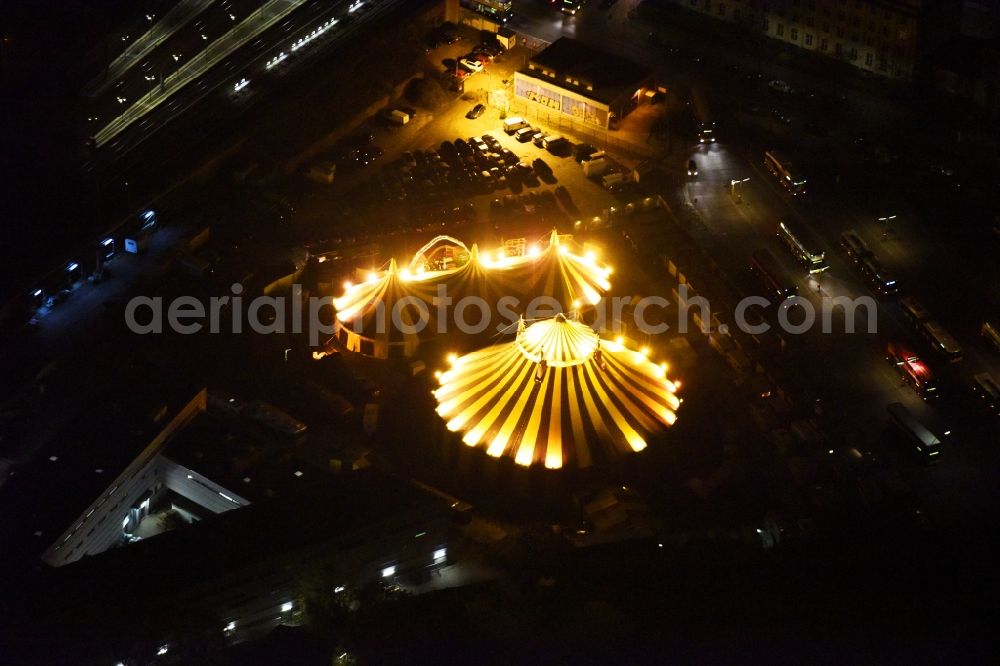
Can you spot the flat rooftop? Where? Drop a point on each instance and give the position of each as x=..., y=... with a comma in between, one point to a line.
x=610, y=75
x=45, y=496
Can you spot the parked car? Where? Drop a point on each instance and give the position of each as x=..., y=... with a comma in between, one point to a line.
x=527, y=174
x=493, y=48
x=471, y=65
x=564, y=197
x=779, y=86
x=583, y=151
x=476, y=111
x=498, y=177
x=541, y=168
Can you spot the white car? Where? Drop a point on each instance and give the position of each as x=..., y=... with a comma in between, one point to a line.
x=780, y=86
x=471, y=65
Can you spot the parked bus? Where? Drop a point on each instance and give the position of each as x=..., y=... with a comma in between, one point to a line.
x=880, y=280
x=775, y=278
x=912, y=370
x=785, y=172
x=855, y=248
x=926, y=445
x=804, y=246
x=941, y=340
x=914, y=311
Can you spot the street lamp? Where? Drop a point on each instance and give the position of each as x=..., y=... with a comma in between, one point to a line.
x=175, y=56
x=885, y=221
x=733, y=191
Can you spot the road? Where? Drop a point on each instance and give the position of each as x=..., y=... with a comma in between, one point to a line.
x=948, y=267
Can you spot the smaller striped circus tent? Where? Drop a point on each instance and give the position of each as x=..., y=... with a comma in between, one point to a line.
x=392, y=311
x=558, y=395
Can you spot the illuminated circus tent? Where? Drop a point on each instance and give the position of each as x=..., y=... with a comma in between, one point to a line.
x=557, y=271
x=364, y=320
x=364, y=313
x=557, y=395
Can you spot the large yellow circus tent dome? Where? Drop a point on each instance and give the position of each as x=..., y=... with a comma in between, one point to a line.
x=557, y=395
x=364, y=319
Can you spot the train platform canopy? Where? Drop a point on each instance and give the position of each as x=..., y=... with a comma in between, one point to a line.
x=557, y=395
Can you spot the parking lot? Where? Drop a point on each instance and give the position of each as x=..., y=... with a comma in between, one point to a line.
x=436, y=163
